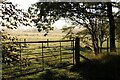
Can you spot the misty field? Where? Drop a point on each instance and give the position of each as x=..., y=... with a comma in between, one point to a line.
x=37, y=36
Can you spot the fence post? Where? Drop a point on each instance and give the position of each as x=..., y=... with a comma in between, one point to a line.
x=60, y=53
x=25, y=42
x=107, y=45
x=42, y=57
x=118, y=47
x=47, y=43
x=77, y=51
x=72, y=45
x=20, y=59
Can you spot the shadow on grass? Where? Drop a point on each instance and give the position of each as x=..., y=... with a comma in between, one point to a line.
x=106, y=68
x=59, y=72
x=59, y=75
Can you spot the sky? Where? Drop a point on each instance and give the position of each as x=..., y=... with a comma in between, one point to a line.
x=25, y=4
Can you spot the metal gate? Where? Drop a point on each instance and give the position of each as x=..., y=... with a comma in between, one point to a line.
x=37, y=56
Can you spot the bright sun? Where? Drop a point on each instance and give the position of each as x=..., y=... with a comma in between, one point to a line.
x=60, y=23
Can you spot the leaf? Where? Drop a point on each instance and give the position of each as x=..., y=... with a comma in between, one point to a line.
x=39, y=29
x=45, y=34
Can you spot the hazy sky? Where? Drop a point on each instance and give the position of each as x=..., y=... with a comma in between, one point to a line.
x=25, y=4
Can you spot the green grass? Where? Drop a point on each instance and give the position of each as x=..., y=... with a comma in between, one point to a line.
x=53, y=74
x=34, y=51
x=103, y=67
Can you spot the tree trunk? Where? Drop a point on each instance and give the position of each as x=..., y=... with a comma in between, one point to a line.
x=101, y=46
x=95, y=44
x=112, y=27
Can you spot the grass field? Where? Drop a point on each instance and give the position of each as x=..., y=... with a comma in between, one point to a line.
x=103, y=66
x=36, y=57
x=37, y=36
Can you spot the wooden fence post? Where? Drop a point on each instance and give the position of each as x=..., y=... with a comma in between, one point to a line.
x=77, y=51
x=47, y=43
x=20, y=59
x=42, y=57
x=107, y=45
x=72, y=45
x=60, y=53
x=118, y=47
x=25, y=43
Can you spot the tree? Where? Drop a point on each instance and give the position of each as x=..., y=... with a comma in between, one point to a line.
x=85, y=14
x=112, y=27
x=9, y=51
x=11, y=18
x=117, y=27
x=117, y=21
x=103, y=32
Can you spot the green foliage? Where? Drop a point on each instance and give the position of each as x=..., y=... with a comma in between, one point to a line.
x=12, y=17
x=78, y=14
x=10, y=50
x=117, y=27
x=117, y=20
x=70, y=34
